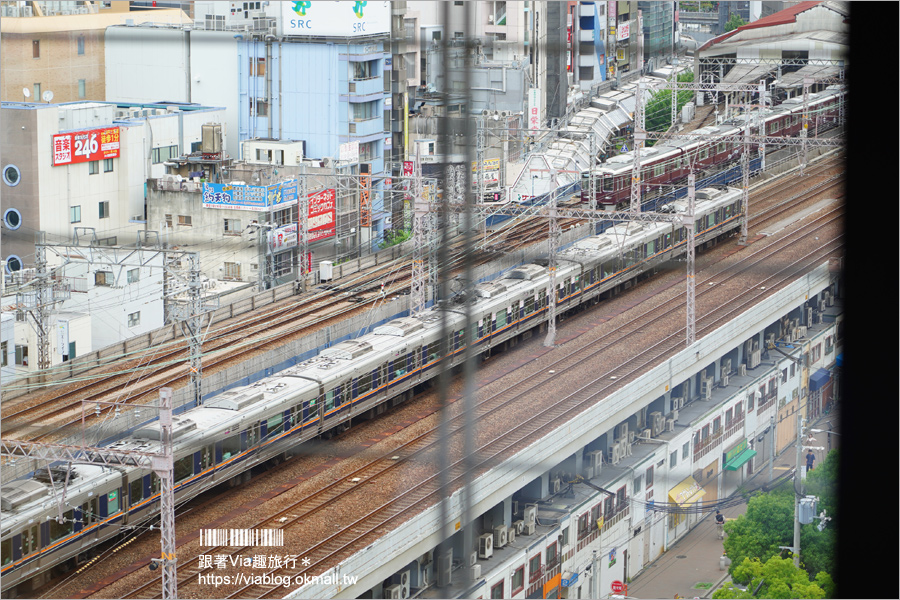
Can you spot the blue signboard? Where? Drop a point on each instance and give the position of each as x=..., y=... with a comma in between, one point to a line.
x=572, y=580
x=249, y=197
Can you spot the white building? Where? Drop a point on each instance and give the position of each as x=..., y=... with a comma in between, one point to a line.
x=83, y=166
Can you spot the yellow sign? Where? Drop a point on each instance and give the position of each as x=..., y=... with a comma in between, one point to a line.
x=600, y=522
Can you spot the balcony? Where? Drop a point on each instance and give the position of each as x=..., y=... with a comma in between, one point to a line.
x=365, y=87
x=366, y=127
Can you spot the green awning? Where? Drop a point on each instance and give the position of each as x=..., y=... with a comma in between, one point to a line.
x=738, y=461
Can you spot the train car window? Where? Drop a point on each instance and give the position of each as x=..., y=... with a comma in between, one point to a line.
x=231, y=446
x=720, y=148
x=60, y=530
x=184, y=468
x=704, y=153
x=433, y=351
x=607, y=184
x=329, y=398
x=529, y=305
x=576, y=283
x=6, y=551
x=363, y=384
x=136, y=491
x=501, y=319
x=273, y=424
x=206, y=457
x=659, y=169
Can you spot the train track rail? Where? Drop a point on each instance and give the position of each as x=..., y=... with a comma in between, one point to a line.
x=423, y=448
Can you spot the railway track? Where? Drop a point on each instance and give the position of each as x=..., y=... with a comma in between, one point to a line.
x=422, y=450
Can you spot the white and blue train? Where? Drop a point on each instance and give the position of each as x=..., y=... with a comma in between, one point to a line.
x=221, y=440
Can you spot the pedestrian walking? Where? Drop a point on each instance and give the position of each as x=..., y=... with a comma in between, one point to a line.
x=810, y=459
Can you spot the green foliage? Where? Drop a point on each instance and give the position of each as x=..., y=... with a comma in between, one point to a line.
x=392, y=237
x=775, y=578
x=658, y=112
x=734, y=21
x=767, y=524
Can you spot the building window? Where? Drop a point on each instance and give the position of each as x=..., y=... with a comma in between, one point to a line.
x=517, y=581
x=22, y=356
x=75, y=214
x=232, y=227
x=257, y=67
x=649, y=477
x=684, y=450
x=80, y=45
x=551, y=555
x=134, y=275
x=107, y=165
x=636, y=486
x=82, y=91
x=103, y=278
x=673, y=459
x=3, y=359
x=232, y=271
x=184, y=220
x=497, y=590
x=134, y=319
x=534, y=567
x=35, y=48
x=37, y=92
x=94, y=167
x=104, y=210
x=161, y=155
x=12, y=175
x=717, y=424
x=168, y=221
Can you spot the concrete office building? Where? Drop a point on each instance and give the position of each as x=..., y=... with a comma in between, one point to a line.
x=84, y=166
x=318, y=78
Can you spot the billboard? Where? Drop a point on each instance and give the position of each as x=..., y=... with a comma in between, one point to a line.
x=321, y=224
x=321, y=215
x=338, y=19
x=85, y=146
x=249, y=197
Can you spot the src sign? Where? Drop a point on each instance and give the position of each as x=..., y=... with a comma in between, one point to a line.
x=85, y=146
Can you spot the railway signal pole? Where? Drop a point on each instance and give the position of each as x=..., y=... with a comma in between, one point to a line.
x=162, y=463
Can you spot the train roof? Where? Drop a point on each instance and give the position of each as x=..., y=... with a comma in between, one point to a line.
x=22, y=497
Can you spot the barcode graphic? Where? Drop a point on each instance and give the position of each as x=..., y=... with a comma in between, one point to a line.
x=242, y=537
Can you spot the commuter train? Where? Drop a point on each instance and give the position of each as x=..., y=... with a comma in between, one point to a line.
x=219, y=441
x=669, y=162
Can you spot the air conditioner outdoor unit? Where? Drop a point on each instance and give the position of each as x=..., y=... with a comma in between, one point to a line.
x=500, y=532
x=726, y=365
x=404, y=584
x=724, y=381
x=631, y=437
x=529, y=529
x=646, y=434
x=742, y=370
x=595, y=460
x=530, y=514
x=486, y=545
x=515, y=507
x=622, y=430
x=674, y=415
x=614, y=455
x=770, y=340
x=754, y=359
x=656, y=423
x=476, y=572
x=473, y=558
x=555, y=485
x=392, y=591
x=519, y=527
x=445, y=569
x=510, y=535
x=670, y=424
x=801, y=331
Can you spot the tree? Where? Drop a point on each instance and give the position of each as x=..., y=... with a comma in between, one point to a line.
x=767, y=524
x=734, y=21
x=775, y=578
x=658, y=111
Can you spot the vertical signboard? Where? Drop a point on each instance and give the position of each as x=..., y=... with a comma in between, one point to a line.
x=365, y=201
x=534, y=108
x=62, y=337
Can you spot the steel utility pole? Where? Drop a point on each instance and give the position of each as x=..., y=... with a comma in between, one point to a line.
x=162, y=463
